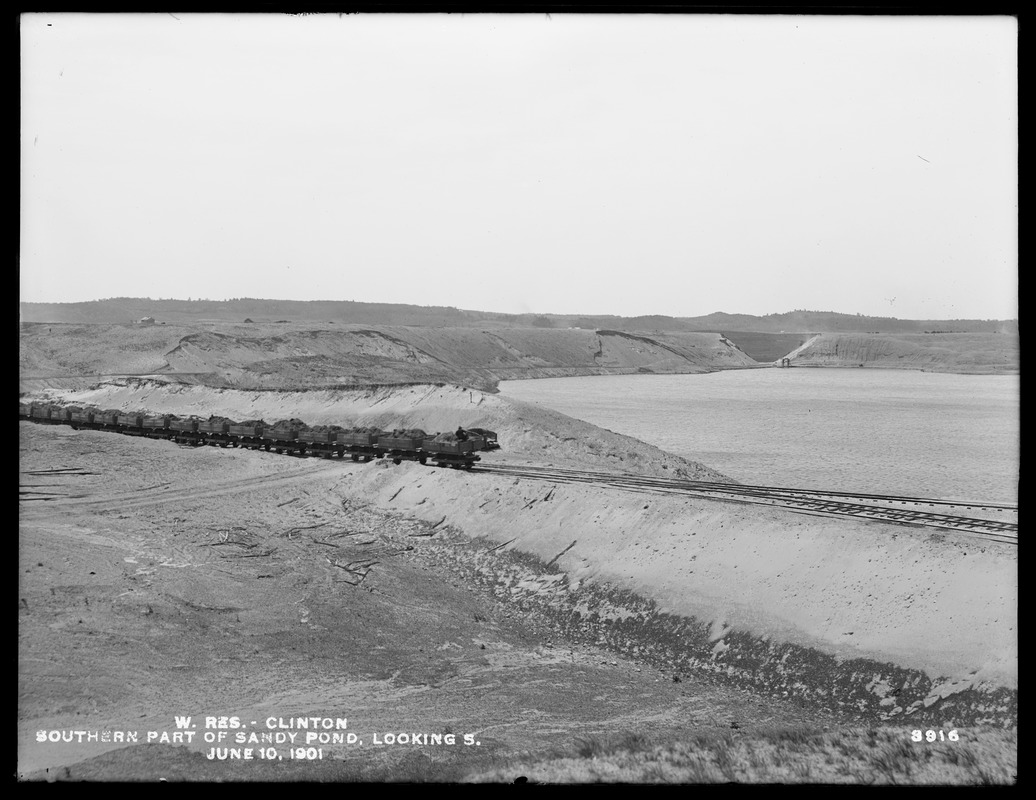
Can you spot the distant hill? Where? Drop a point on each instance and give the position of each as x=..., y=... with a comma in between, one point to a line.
x=833, y=322
x=117, y=310
x=130, y=309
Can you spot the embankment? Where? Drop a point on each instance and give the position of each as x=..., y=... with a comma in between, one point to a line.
x=885, y=621
x=293, y=356
x=977, y=353
x=881, y=620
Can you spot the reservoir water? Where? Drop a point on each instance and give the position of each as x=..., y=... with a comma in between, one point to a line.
x=898, y=432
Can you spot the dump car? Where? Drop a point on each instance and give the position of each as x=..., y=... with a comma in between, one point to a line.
x=360, y=445
x=458, y=455
x=284, y=440
x=322, y=443
x=402, y=448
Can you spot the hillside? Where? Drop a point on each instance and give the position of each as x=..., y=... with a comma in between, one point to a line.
x=293, y=356
x=948, y=352
x=171, y=311
x=833, y=322
x=320, y=355
x=259, y=343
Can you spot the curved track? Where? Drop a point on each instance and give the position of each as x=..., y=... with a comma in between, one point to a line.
x=914, y=511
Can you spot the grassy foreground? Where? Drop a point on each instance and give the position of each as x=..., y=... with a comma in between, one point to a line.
x=792, y=755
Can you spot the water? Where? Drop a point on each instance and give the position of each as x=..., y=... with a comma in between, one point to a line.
x=884, y=431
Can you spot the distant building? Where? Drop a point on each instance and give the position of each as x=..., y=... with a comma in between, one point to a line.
x=146, y=321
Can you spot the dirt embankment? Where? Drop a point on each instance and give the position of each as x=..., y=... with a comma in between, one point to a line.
x=887, y=619
x=978, y=353
x=870, y=616
x=314, y=355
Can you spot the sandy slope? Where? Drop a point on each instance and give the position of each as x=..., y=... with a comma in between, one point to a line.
x=949, y=352
x=945, y=605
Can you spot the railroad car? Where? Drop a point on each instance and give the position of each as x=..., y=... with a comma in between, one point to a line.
x=82, y=419
x=249, y=436
x=185, y=431
x=39, y=412
x=458, y=455
x=402, y=448
x=158, y=427
x=360, y=445
x=322, y=443
x=105, y=419
x=285, y=441
x=215, y=432
x=130, y=423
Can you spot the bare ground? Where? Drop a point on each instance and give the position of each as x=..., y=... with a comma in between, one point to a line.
x=853, y=588
x=163, y=580
x=159, y=580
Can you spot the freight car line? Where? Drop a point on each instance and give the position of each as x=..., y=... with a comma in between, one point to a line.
x=361, y=445
x=797, y=500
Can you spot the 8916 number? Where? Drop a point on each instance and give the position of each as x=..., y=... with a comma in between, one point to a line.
x=931, y=736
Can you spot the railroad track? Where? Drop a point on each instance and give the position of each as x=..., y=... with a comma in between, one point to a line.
x=899, y=510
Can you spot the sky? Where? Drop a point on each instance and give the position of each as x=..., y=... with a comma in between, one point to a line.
x=590, y=164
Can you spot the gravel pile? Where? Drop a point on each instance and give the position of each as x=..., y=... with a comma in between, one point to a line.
x=289, y=424
x=409, y=433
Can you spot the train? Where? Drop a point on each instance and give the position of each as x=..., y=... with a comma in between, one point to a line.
x=293, y=438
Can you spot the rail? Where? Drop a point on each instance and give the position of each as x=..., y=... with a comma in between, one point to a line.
x=880, y=508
